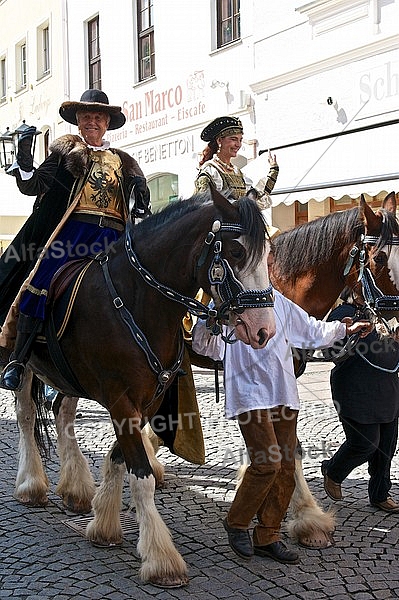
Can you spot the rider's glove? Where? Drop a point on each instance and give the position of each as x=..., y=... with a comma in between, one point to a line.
x=24, y=152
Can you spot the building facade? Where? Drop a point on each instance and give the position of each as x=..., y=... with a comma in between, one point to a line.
x=32, y=72
x=318, y=83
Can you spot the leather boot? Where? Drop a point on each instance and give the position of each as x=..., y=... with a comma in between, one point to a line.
x=12, y=375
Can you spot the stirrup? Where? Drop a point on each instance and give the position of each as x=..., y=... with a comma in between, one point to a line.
x=12, y=376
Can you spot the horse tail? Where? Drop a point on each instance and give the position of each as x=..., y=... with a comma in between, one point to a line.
x=42, y=421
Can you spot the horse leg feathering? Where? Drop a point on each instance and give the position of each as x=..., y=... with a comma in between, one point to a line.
x=31, y=485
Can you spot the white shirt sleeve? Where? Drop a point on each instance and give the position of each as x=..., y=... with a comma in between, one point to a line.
x=215, y=176
x=205, y=343
x=25, y=175
x=303, y=331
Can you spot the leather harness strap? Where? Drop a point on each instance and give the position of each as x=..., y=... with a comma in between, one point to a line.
x=164, y=376
x=59, y=359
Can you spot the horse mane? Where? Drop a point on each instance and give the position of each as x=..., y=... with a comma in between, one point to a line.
x=303, y=248
x=171, y=213
x=250, y=218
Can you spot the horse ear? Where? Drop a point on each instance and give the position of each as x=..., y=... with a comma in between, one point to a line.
x=362, y=206
x=362, y=201
x=371, y=220
x=223, y=204
x=389, y=202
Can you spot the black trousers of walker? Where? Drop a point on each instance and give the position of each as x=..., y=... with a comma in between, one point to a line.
x=374, y=443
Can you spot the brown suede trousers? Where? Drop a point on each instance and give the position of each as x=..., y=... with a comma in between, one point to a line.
x=268, y=483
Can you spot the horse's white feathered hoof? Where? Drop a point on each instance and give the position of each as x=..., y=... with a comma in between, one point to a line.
x=33, y=501
x=318, y=541
x=170, y=582
x=103, y=540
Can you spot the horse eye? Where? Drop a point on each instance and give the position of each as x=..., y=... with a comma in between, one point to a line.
x=237, y=252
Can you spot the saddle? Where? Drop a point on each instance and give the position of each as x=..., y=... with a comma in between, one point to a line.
x=60, y=300
x=63, y=289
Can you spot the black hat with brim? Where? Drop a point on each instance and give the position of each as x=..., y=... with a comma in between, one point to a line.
x=93, y=100
x=221, y=127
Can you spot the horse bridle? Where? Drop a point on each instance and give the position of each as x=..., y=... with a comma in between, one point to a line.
x=375, y=302
x=231, y=293
x=374, y=299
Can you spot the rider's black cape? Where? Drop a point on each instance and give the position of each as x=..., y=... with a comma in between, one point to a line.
x=57, y=177
x=19, y=258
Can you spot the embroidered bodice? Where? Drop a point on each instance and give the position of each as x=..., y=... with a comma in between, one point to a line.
x=213, y=174
x=101, y=192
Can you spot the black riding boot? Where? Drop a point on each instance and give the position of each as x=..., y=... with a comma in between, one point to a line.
x=12, y=375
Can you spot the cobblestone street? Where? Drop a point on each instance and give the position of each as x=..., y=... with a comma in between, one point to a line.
x=44, y=555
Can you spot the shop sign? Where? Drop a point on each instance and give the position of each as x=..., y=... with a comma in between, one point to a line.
x=380, y=84
x=164, y=150
x=172, y=108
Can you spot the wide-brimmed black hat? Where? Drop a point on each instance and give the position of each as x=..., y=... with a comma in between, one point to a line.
x=95, y=100
x=221, y=127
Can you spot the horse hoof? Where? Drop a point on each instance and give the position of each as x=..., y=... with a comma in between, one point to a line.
x=169, y=582
x=324, y=540
x=32, y=502
x=104, y=544
x=76, y=507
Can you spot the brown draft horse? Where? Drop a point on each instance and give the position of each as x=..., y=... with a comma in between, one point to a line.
x=308, y=265
x=123, y=345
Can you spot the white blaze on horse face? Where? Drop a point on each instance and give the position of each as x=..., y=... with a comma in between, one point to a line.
x=255, y=325
x=393, y=264
x=258, y=278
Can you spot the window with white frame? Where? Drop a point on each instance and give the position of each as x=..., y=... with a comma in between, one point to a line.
x=228, y=22
x=3, y=81
x=145, y=37
x=21, y=65
x=94, y=55
x=43, y=50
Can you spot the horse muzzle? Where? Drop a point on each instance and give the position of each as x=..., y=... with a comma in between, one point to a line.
x=255, y=327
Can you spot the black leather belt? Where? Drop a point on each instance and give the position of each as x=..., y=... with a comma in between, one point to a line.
x=99, y=220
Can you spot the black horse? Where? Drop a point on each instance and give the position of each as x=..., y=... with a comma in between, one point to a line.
x=123, y=347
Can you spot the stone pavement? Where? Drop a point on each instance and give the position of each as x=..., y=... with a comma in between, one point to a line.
x=43, y=555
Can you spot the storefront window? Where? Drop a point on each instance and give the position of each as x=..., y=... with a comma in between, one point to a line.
x=347, y=202
x=301, y=213
x=164, y=189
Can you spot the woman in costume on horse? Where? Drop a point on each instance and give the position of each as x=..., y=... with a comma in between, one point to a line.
x=85, y=191
x=224, y=137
